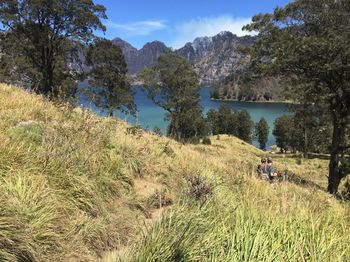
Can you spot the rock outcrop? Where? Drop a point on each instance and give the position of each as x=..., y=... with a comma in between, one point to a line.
x=213, y=58
x=139, y=59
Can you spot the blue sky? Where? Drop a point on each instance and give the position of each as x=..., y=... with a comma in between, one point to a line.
x=178, y=22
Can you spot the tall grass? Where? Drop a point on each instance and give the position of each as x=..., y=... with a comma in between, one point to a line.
x=231, y=229
x=75, y=187
x=65, y=182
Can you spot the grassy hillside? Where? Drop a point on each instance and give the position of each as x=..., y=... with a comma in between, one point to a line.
x=77, y=187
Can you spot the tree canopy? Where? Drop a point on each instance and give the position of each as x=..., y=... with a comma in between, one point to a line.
x=173, y=85
x=110, y=88
x=262, y=132
x=226, y=121
x=46, y=35
x=307, y=42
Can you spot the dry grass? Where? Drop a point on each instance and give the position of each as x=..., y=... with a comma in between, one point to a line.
x=77, y=187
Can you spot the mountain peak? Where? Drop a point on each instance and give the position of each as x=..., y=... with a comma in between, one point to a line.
x=224, y=33
x=213, y=58
x=155, y=44
x=123, y=44
x=138, y=59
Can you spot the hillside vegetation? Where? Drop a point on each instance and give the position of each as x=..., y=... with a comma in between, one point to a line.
x=78, y=187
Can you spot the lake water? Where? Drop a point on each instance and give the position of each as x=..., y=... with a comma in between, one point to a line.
x=150, y=115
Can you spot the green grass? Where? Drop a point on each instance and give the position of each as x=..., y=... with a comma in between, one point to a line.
x=229, y=228
x=77, y=187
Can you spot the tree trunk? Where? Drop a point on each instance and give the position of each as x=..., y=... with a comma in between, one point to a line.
x=110, y=101
x=305, y=142
x=338, y=139
x=47, y=71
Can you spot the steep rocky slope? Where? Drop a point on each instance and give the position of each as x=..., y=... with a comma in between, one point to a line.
x=265, y=89
x=139, y=59
x=213, y=58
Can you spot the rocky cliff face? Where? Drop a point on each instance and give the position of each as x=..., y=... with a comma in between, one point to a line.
x=215, y=58
x=139, y=59
x=262, y=89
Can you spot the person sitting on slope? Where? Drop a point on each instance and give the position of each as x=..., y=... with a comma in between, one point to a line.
x=262, y=170
x=271, y=170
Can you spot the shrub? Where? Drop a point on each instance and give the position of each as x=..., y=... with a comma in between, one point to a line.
x=199, y=189
x=206, y=141
x=134, y=130
x=157, y=131
x=299, y=161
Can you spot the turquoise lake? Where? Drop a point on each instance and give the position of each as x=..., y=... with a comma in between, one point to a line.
x=150, y=115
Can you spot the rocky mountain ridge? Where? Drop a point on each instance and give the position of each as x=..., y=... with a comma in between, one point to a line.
x=213, y=58
x=139, y=59
x=218, y=61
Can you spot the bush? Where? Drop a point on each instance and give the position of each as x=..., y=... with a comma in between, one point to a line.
x=299, y=161
x=206, y=141
x=157, y=131
x=134, y=130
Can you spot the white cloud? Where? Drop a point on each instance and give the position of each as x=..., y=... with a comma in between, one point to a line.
x=138, y=28
x=207, y=26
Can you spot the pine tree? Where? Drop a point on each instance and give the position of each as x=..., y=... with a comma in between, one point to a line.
x=262, y=132
x=245, y=126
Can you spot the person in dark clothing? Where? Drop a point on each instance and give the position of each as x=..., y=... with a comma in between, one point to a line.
x=271, y=170
x=263, y=170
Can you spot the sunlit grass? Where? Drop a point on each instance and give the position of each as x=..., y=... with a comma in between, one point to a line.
x=77, y=187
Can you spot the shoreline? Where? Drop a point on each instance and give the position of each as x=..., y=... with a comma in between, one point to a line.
x=257, y=102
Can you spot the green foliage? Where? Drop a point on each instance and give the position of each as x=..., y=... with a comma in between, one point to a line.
x=306, y=42
x=173, y=85
x=312, y=129
x=213, y=121
x=245, y=126
x=305, y=131
x=206, y=141
x=110, y=88
x=189, y=126
x=262, y=132
x=45, y=36
x=227, y=121
x=224, y=121
x=283, y=127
